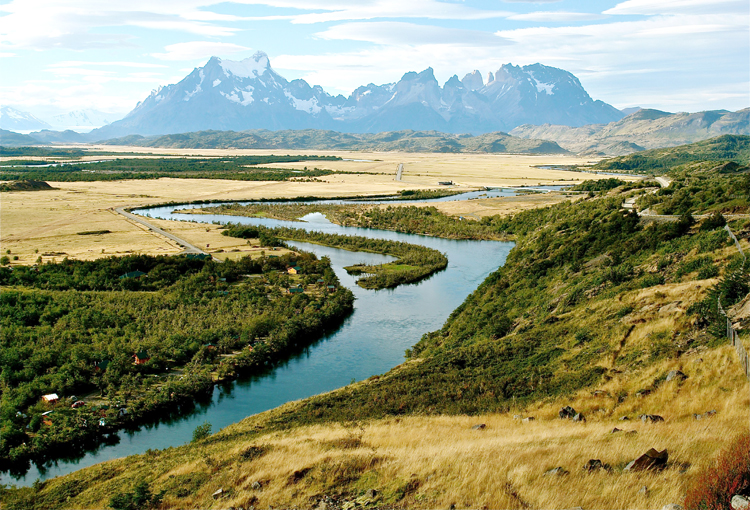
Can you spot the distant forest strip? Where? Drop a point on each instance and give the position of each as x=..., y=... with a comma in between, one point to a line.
x=242, y=168
x=75, y=327
x=409, y=219
x=16, y=152
x=612, y=183
x=414, y=262
x=318, y=139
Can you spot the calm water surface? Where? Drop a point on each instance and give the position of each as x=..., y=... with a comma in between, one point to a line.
x=371, y=341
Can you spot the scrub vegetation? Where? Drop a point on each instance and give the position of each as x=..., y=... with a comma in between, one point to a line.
x=594, y=308
x=143, y=337
x=414, y=262
x=239, y=168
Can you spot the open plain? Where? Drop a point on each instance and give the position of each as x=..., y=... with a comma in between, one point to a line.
x=53, y=224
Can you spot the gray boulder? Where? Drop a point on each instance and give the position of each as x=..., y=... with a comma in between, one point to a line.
x=566, y=412
x=653, y=418
x=480, y=426
x=579, y=417
x=740, y=502
x=558, y=471
x=594, y=465
x=676, y=374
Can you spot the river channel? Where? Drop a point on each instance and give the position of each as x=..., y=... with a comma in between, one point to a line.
x=371, y=341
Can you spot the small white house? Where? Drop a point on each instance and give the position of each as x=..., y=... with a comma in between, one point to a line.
x=50, y=398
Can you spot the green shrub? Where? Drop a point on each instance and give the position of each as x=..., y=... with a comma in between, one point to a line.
x=709, y=271
x=201, y=432
x=139, y=499
x=716, y=220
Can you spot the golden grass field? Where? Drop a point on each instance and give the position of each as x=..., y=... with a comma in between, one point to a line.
x=39, y=222
x=436, y=462
x=439, y=461
x=433, y=462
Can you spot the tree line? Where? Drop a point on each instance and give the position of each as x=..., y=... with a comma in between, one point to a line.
x=74, y=327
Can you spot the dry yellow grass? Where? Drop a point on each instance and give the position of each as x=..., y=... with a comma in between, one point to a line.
x=208, y=237
x=503, y=206
x=435, y=462
x=34, y=223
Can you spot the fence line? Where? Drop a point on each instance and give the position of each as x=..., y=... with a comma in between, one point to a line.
x=732, y=334
x=734, y=340
x=736, y=242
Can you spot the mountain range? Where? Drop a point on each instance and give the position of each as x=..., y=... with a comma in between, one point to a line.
x=16, y=120
x=644, y=129
x=84, y=120
x=249, y=94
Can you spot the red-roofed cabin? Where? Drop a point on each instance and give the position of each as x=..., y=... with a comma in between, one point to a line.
x=141, y=357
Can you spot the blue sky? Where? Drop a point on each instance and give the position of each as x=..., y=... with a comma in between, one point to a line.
x=677, y=55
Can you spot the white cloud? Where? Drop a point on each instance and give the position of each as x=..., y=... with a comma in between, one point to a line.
x=44, y=24
x=198, y=50
x=663, y=7
x=659, y=56
x=79, y=63
x=555, y=16
x=400, y=33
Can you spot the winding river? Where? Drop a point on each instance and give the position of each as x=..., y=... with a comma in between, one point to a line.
x=371, y=341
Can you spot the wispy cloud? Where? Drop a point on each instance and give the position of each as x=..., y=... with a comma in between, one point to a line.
x=556, y=16
x=79, y=63
x=665, y=7
x=47, y=24
x=396, y=33
x=198, y=49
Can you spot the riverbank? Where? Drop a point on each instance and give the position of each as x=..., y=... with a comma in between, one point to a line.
x=413, y=262
x=564, y=322
x=149, y=337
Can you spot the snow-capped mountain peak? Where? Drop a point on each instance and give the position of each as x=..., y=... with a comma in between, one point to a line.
x=249, y=94
x=17, y=120
x=247, y=68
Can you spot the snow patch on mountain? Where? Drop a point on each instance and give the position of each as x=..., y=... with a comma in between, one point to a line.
x=304, y=105
x=250, y=67
x=547, y=88
x=188, y=95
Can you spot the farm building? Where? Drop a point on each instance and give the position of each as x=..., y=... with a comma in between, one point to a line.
x=101, y=366
x=141, y=357
x=50, y=398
